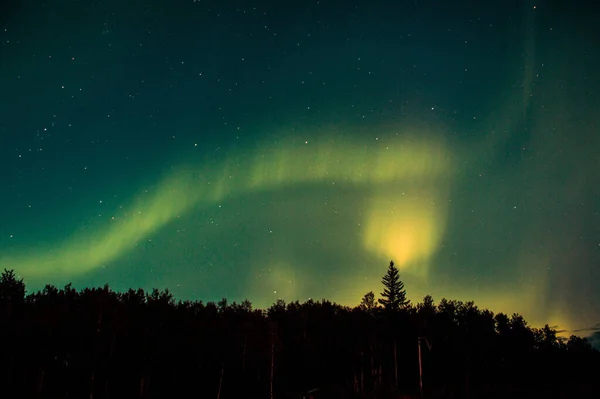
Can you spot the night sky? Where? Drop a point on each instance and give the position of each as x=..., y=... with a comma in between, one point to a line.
x=291, y=149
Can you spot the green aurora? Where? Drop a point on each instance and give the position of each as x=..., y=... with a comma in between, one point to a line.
x=296, y=165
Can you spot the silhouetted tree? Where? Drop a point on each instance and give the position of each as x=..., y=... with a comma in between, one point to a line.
x=426, y=311
x=96, y=343
x=577, y=344
x=368, y=303
x=394, y=294
x=393, y=298
x=12, y=292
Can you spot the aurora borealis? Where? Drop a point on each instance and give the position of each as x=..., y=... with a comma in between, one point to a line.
x=270, y=150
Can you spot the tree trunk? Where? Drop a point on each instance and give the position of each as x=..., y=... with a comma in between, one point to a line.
x=92, y=385
x=41, y=383
x=362, y=378
x=373, y=370
x=272, y=365
x=395, y=365
x=99, y=322
x=420, y=368
x=112, y=345
x=220, y=382
x=245, y=350
x=110, y=356
x=467, y=377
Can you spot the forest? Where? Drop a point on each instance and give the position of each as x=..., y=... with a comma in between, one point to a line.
x=97, y=343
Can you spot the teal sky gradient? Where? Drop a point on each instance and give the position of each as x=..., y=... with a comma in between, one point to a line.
x=263, y=151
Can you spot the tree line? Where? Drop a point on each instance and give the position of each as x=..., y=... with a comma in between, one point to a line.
x=97, y=343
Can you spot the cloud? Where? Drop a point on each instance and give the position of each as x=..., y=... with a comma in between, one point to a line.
x=594, y=328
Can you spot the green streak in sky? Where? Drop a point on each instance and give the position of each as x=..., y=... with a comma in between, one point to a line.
x=398, y=228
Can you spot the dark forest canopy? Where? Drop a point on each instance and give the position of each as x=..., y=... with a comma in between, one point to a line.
x=97, y=343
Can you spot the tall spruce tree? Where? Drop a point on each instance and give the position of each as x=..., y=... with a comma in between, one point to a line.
x=394, y=294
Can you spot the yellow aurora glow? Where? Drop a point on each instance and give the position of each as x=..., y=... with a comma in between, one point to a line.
x=404, y=228
x=406, y=181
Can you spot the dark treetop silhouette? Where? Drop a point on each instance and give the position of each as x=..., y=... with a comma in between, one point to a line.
x=393, y=297
x=96, y=343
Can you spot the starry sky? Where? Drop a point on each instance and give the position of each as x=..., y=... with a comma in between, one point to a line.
x=290, y=149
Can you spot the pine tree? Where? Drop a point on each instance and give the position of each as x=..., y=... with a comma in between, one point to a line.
x=394, y=294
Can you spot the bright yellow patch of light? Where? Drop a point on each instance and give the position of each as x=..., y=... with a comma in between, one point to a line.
x=406, y=226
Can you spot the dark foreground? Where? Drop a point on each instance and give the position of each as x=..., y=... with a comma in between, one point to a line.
x=60, y=343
